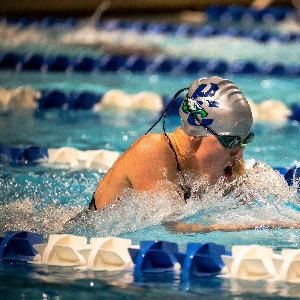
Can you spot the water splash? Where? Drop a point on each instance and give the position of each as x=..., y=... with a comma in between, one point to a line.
x=56, y=203
x=260, y=195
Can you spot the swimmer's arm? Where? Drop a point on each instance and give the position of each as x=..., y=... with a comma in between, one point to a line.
x=181, y=227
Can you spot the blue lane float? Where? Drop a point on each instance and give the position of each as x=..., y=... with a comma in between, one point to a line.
x=207, y=30
x=22, y=155
x=138, y=63
x=202, y=259
x=237, y=13
x=18, y=245
x=111, y=62
x=295, y=116
x=33, y=62
x=202, y=31
x=75, y=100
x=154, y=257
x=83, y=100
x=84, y=63
x=9, y=60
x=57, y=62
x=53, y=99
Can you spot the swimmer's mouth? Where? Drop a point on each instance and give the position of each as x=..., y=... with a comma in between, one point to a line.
x=228, y=171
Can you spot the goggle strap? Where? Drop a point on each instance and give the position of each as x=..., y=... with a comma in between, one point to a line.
x=164, y=113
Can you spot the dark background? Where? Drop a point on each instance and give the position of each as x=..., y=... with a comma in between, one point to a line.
x=118, y=8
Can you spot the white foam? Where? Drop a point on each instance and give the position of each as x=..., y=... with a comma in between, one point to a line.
x=259, y=196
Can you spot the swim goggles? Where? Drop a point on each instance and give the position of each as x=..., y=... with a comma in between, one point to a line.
x=228, y=141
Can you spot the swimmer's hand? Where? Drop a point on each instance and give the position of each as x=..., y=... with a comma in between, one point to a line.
x=181, y=227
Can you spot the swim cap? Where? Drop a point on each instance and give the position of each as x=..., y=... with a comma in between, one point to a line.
x=219, y=104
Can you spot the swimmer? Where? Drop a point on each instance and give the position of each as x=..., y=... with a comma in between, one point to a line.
x=216, y=127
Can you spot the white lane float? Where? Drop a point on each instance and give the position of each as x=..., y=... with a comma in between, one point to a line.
x=102, y=254
x=256, y=262
x=143, y=100
x=95, y=159
x=61, y=250
x=107, y=254
x=270, y=110
x=288, y=265
x=251, y=262
x=18, y=98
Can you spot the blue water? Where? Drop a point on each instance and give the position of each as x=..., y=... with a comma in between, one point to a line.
x=39, y=197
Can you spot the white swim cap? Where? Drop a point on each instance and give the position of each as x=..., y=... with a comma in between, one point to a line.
x=219, y=104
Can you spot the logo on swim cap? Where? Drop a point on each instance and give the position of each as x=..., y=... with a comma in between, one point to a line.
x=210, y=93
x=192, y=106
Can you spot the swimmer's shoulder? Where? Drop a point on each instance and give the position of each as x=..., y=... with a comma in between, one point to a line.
x=149, y=148
x=151, y=142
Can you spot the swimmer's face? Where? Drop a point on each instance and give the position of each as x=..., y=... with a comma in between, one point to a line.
x=214, y=160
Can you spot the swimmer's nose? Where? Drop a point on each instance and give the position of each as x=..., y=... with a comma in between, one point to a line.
x=237, y=152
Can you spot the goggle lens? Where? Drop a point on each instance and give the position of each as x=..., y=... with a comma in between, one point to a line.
x=249, y=138
x=229, y=141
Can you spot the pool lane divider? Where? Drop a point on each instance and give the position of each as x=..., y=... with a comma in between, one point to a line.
x=24, y=98
x=250, y=14
x=32, y=155
x=138, y=63
x=91, y=159
x=267, y=110
x=221, y=20
x=210, y=29
x=250, y=262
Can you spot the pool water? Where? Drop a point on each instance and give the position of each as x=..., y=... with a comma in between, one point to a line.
x=57, y=283
x=43, y=197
